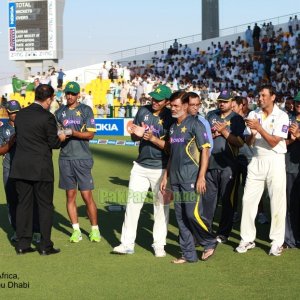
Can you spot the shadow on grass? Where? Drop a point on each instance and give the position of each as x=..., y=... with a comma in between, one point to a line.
x=173, y=249
x=111, y=227
x=110, y=223
x=262, y=231
x=59, y=221
x=4, y=222
x=118, y=181
x=106, y=154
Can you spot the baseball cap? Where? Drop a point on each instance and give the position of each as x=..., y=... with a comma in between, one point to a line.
x=161, y=92
x=225, y=95
x=297, y=98
x=72, y=87
x=13, y=106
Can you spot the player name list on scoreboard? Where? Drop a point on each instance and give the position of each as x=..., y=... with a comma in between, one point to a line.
x=31, y=19
x=33, y=29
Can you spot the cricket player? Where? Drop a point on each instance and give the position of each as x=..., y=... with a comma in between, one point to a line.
x=292, y=161
x=151, y=127
x=227, y=131
x=187, y=167
x=267, y=129
x=7, y=131
x=76, y=161
x=194, y=106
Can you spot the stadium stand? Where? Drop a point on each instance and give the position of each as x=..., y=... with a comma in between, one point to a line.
x=205, y=67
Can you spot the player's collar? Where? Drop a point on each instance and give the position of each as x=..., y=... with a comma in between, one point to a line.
x=156, y=114
x=72, y=108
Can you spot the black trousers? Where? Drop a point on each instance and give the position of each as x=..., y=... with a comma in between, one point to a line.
x=12, y=202
x=240, y=178
x=219, y=186
x=192, y=226
x=11, y=197
x=28, y=192
x=292, y=221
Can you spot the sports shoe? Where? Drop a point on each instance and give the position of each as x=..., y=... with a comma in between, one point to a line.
x=275, y=250
x=262, y=219
x=121, y=249
x=95, y=235
x=244, y=247
x=286, y=246
x=222, y=239
x=36, y=237
x=76, y=236
x=159, y=251
x=14, y=237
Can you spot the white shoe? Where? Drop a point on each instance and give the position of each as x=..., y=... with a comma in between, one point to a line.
x=222, y=239
x=121, y=249
x=262, y=219
x=244, y=247
x=159, y=251
x=275, y=250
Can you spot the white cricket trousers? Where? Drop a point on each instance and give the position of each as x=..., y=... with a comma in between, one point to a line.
x=140, y=180
x=269, y=169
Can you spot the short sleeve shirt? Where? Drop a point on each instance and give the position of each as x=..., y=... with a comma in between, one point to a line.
x=151, y=156
x=187, y=139
x=224, y=154
x=208, y=131
x=277, y=123
x=6, y=131
x=80, y=119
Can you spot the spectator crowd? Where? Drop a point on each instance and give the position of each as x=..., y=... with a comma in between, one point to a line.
x=248, y=92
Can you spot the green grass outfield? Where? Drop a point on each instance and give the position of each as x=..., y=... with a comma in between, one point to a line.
x=88, y=270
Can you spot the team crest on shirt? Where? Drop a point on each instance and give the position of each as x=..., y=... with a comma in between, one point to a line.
x=183, y=129
x=285, y=128
x=7, y=132
x=160, y=122
x=78, y=113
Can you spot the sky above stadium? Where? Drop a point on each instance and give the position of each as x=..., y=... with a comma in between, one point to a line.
x=94, y=28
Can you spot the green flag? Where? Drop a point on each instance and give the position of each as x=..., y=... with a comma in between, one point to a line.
x=17, y=84
x=30, y=87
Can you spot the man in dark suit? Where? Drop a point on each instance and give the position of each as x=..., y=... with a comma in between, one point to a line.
x=32, y=169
